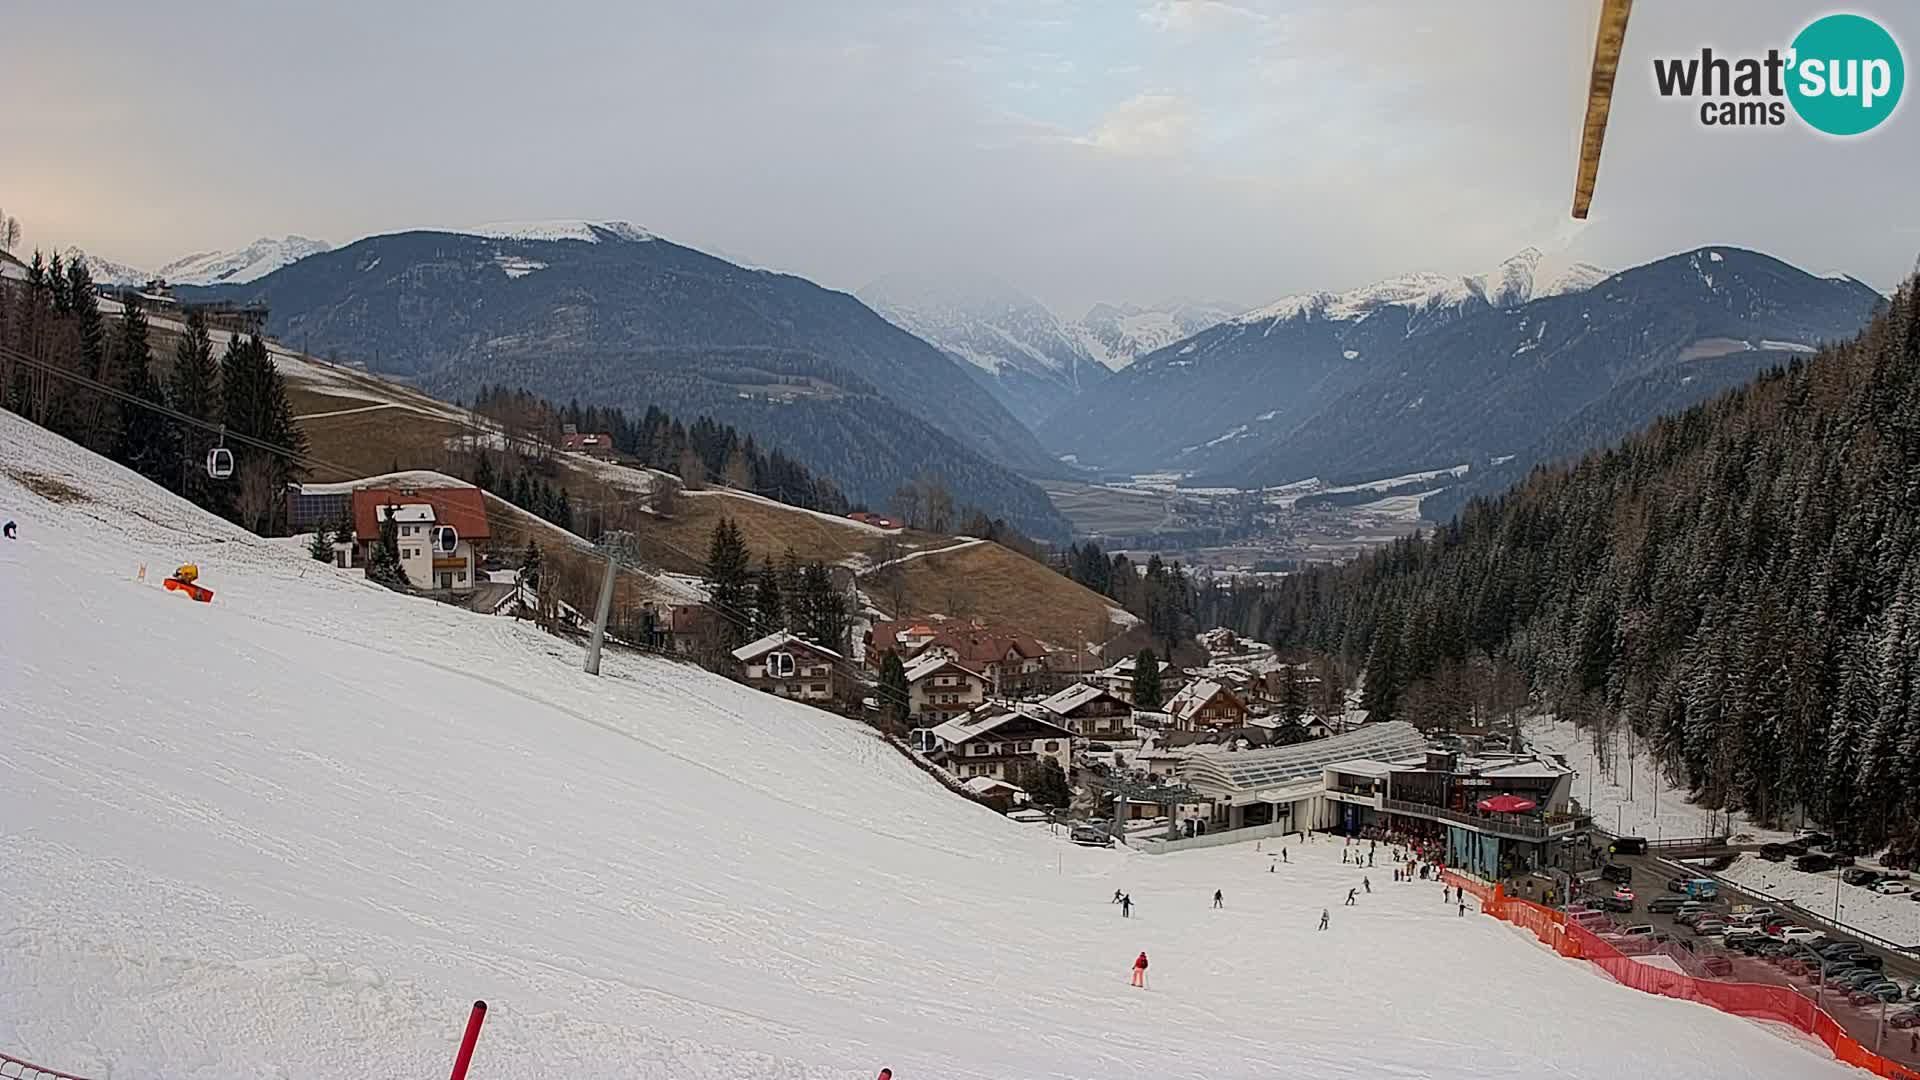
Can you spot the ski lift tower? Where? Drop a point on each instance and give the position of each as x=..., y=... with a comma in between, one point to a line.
x=617, y=546
x=1127, y=789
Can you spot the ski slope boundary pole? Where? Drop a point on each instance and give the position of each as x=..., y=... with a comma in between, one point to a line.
x=465, y=1057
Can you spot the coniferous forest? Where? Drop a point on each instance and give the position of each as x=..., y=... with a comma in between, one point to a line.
x=93, y=378
x=1740, y=583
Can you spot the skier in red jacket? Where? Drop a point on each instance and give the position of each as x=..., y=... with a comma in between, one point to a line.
x=1140, y=970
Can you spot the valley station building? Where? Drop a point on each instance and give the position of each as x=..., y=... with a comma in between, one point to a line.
x=1386, y=775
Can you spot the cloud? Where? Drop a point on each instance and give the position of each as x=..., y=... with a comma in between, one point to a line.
x=1185, y=15
x=1145, y=124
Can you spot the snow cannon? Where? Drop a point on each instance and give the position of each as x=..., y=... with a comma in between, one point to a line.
x=186, y=580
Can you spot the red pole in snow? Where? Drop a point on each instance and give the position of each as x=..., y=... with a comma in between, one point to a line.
x=472, y=1036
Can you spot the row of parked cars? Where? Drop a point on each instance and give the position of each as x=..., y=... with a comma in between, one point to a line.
x=1833, y=854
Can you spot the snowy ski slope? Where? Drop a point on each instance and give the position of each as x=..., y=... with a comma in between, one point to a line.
x=295, y=831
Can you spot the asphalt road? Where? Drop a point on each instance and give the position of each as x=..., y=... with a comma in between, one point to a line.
x=1650, y=875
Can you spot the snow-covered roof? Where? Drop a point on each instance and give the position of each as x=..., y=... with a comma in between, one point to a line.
x=1250, y=770
x=927, y=665
x=775, y=640
x=981, y=785
x=975, y=724
x=1362, y=767
x=1072, y=698
x=1193, y=697
x=1537, y=769
x=408, y=514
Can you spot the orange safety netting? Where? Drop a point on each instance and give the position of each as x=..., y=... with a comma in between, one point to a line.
x=1758, y=1001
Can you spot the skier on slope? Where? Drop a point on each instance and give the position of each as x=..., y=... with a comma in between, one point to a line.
x=1140, y=970
x=1351, y=893
x=1368, y=882
x=1116, y=896
x=12, y=531
x=1325, y=918
x=1218, y=900
x=1126, y=907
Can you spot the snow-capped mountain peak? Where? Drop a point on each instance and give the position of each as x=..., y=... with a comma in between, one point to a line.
x=256, y=260
x=1528, y=275
x=591, y=232
x=106, y=271
x=1118, y=335
x=1034, y=361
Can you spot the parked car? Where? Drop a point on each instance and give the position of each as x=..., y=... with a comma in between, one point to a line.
x=1813, y=863
x=1887, y=992
x=1619, y=873
x=1618, y=903
x=1792, y=966
x=1774, y=852
x=1717, y=965
x=1792, y=934
x=1893, y=888
x=1856, y=875
x=1642, y=930
x=1708, y=927
x=1817, y=839
x=1664, y=905
x=1905, y=1018
x=1840, y=860
x=1868, y=960
x=1628, y=845
x=1795, y=847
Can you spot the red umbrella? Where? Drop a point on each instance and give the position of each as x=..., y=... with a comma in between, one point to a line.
x=1506, y=804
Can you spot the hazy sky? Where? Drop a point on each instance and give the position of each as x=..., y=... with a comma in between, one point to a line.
x=1083, y=150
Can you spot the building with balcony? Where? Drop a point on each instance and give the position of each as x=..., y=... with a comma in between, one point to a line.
x=1286, y=785
x=1440, y=794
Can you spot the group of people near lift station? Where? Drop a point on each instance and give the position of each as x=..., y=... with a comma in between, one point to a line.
x=1411, y=858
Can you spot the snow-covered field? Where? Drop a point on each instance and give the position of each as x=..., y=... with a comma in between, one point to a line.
x=1622, y=798
x=295, y=831
x=1894, y=918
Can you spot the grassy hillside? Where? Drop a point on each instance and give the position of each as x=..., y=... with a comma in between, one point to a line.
x=360, y=425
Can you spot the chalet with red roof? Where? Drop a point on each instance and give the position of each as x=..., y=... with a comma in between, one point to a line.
x=437, y=530
x=593, y=444
x=1011, y=663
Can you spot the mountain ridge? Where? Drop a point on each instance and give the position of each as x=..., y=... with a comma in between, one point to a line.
x=1334, y=384
x=630, y=321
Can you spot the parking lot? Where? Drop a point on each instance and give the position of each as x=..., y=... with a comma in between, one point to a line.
x=1650, y=875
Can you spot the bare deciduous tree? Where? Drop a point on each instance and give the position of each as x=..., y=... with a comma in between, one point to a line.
x=256, y=496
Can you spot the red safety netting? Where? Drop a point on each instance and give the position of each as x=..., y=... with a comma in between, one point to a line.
x=1754, y=1000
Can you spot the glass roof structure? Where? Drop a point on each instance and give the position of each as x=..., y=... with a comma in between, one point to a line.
x=1249, y=770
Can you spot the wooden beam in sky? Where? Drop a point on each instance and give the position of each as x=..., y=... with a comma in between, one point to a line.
x=1606, y=65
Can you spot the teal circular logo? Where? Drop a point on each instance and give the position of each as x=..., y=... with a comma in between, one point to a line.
x=1846, y=76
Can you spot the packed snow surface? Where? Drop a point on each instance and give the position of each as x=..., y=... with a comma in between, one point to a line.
x=1894, y=918
x=1620, y=797
x=295, y=831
